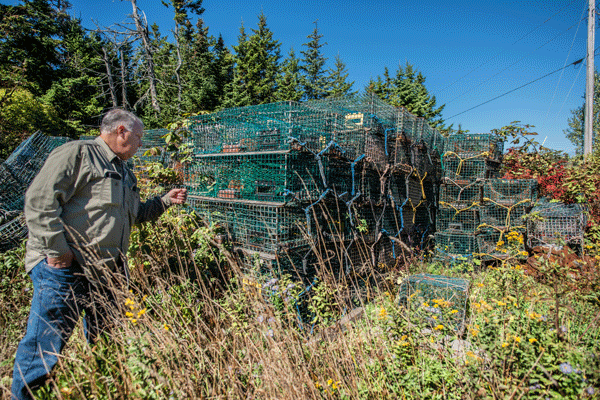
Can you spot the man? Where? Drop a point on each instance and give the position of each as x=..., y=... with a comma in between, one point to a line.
x=79, y=211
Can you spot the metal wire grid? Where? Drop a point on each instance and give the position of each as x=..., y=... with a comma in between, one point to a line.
x=485, y=146
x=556, y=224
x=504, y=218
x=299, y=262
x=458, y=169
x=28, y=158
x=455, y=219
x=492, y=247
x=12, y=191
x=508, y=192
x=453, y=244
x=429, y=291
x=12, y=232
x=461, y=193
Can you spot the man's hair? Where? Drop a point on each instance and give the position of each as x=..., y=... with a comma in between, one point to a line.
x=116, y=117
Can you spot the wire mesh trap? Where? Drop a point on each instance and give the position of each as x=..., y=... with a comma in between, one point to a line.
x=556, y=224
x=436, y=296
x=508, y=192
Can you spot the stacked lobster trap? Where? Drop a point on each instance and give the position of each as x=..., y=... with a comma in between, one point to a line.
x=16, y=174
x=295, y=184
x=477, y=209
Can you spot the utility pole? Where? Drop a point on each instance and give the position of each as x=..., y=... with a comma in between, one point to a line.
x=589, y=84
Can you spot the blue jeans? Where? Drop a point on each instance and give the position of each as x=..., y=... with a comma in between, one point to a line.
x=59, y=297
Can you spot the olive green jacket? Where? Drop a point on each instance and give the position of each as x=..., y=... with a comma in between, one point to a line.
x=85, y=199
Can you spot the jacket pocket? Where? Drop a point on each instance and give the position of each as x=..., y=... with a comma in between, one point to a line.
x=112, y=188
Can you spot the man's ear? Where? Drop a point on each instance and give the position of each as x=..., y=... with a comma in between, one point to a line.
x=121, y=130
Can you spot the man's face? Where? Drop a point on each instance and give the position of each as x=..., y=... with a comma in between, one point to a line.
x=129, y=141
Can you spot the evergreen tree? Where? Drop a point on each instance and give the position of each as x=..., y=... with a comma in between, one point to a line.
x=314, y=80
x=31, y=35
x=407, y=89
x=575, y=131
x=237, y=93
x=200, y=86
x=222, y=70
x=289, y=80
x=338, y=80
x=263, y=64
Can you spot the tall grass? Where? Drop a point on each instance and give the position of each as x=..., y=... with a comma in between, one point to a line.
x=193, y=325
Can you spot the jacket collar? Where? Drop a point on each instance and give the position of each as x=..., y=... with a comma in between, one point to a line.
x=107, y=150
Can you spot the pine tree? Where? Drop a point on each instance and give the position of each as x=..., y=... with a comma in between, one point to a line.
x=289, y=80
x=263, y=64
x=407, y=89
x=237, y=92
x=575, y=131
x=338, y=80
x=314, y=80
x=222, y=70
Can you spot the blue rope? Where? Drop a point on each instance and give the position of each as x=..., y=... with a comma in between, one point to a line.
x=307, y=210
x=386, y=139
x=352, y=169
x=298, y=308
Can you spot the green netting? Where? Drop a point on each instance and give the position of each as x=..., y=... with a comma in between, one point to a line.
x=356, y=142
x=461, y=193
x=493, y=245
x=300, y=262
x=266, y=127
x=458, y=169
x=401, y=155
x=279, y=176
x=437, y=296
x=28, y=158
x=504, y=217
x=484, y=146
x=455, y=244
x=556, y=224
x=457, y=219
x=508, y=192
x=12, y=231
x=12, y=191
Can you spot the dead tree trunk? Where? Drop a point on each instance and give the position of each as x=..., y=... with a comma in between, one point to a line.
x=111, y=83
x=142, y=32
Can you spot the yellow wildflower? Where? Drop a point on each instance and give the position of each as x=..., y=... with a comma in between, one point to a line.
x=453, y=311
x=504, y=344
x=532, y=340
x=129, y=314
x=329, y=382
x=439, y=327
x=141, y=312
x=166, y=327
x=517, y=339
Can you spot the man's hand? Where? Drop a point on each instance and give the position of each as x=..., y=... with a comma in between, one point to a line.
x=178, y=196
x=62, y=261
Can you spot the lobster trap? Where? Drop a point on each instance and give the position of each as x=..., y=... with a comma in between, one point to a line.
x=556, y=224
x=27, y=159
x=461, y=169
x=460, y=193
x=498, y=245
x=12, y=191
x=508, y=192
x=475, y=146
x=438, y=296
x=449, y=218
x=453, y=244
x=12, y=230
x=505, y=217
x=299, y=262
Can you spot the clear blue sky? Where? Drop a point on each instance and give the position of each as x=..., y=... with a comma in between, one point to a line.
x=470, y=51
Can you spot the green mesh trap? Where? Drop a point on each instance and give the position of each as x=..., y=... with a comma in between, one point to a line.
x=12, y=191
x=461, y=169
x=508, y=192
x=556, y=224
x=12, y=230
x=455, y=244
x=27, y=159
x=299, y=262
x=266, y=127
x=461, y=193
x=504, y=217
x=401, y=155
x=474, y=146
x=436, y=295
x=498, y=245
x=457, y=219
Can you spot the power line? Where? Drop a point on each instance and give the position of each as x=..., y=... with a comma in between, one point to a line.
x=500, y=52
x=513, y=64
x=520, y=87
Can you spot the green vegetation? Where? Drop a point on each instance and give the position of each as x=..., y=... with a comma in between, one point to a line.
x=194, y=326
